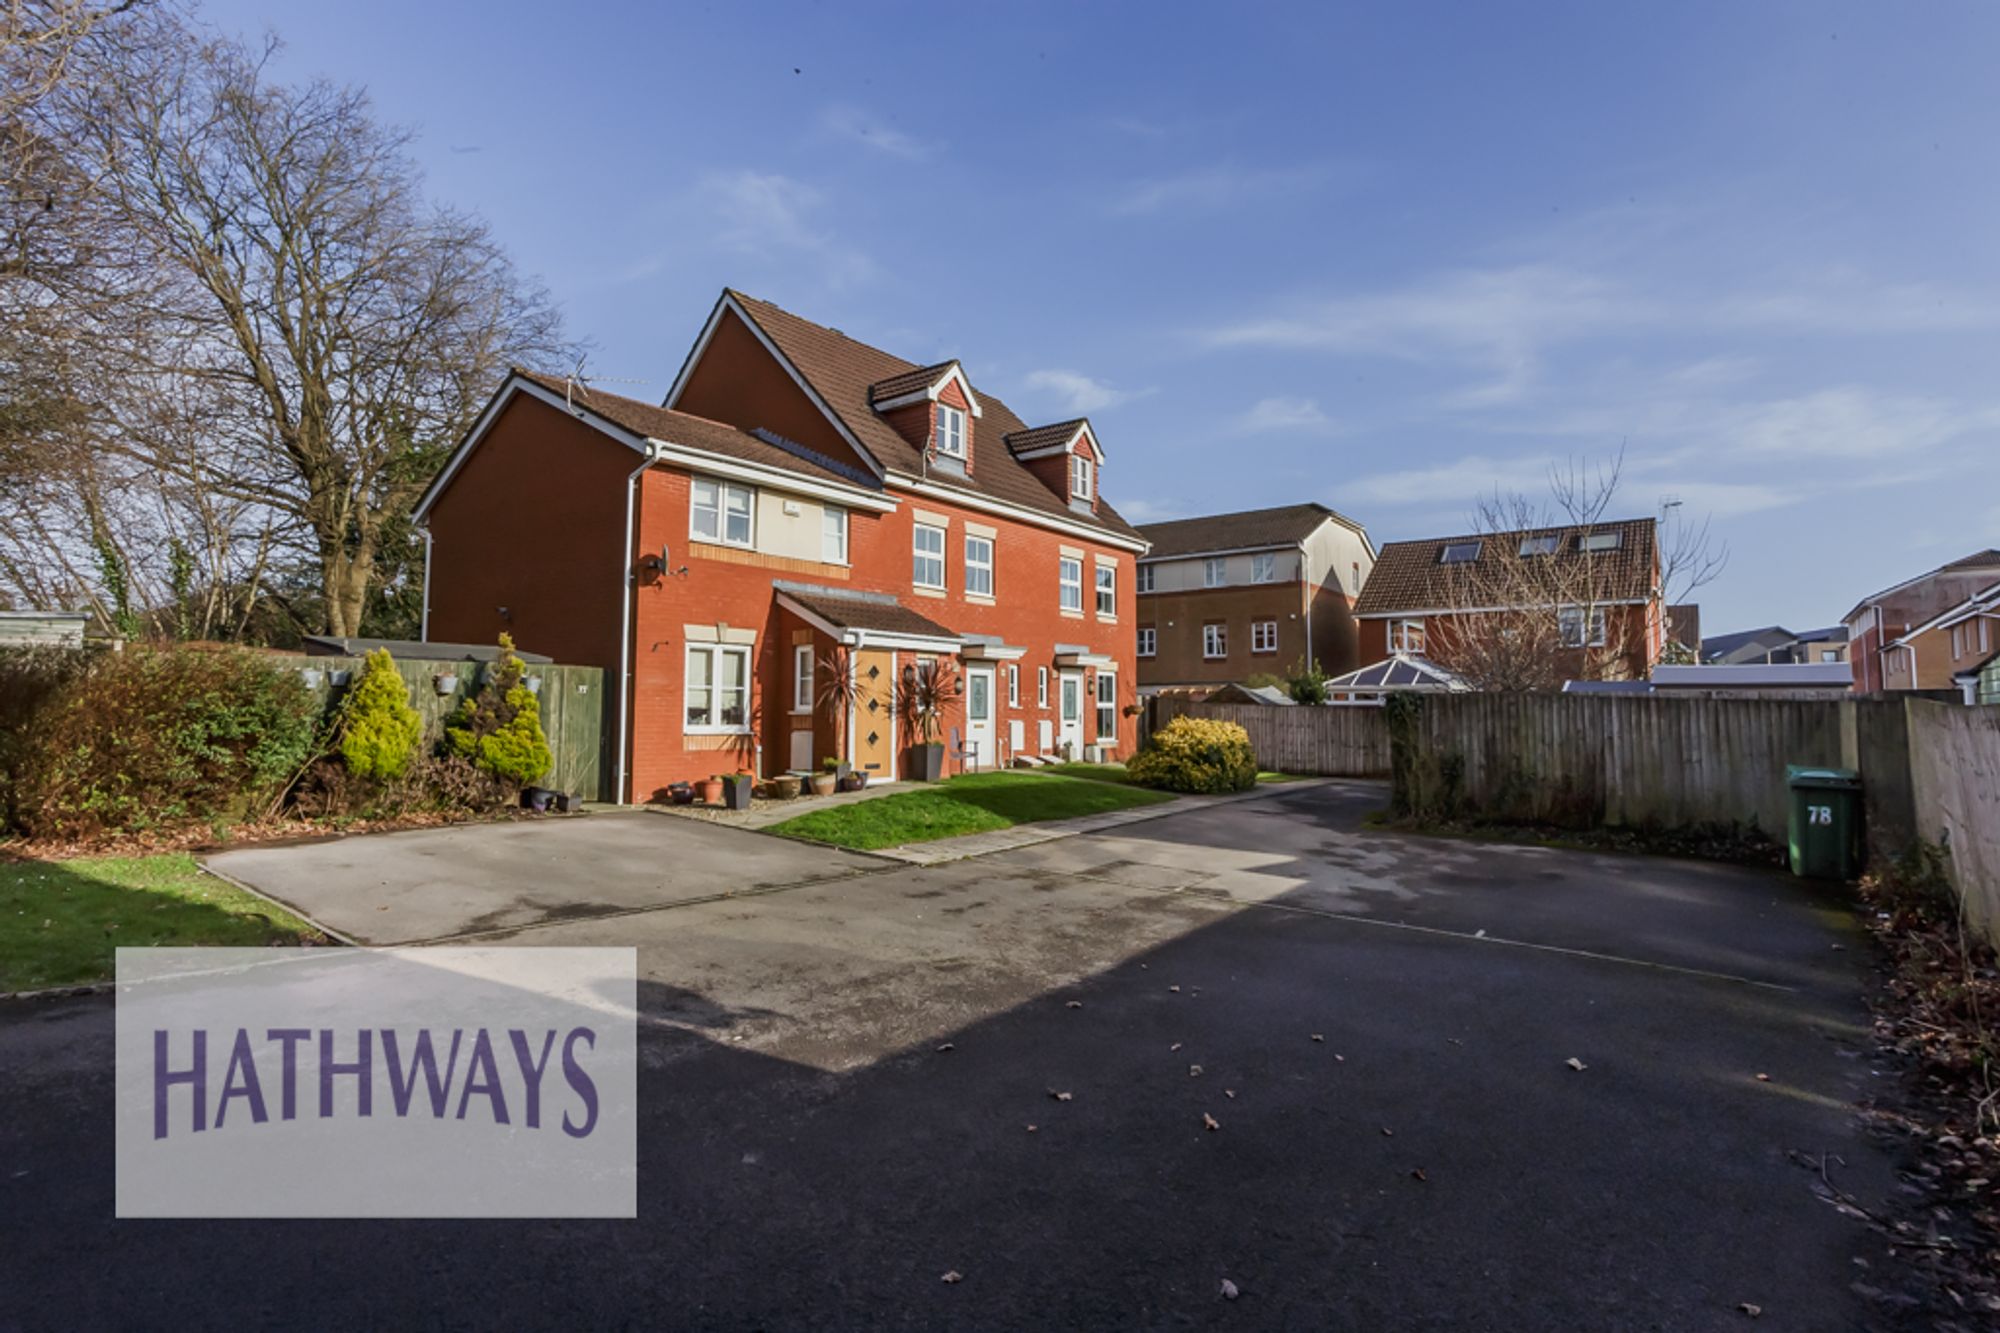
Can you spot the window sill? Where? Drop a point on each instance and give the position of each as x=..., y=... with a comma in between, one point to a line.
x=715, y=731
x=750, y=545
x=924, y=590
x=1103, y=619
x=980, y=599
x=1071, y=615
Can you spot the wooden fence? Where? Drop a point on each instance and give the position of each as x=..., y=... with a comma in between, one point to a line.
x=1955, y=777
x=1336, y=742
x=571, y=698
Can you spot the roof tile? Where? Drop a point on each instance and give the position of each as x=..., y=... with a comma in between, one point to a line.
x=1410, y=576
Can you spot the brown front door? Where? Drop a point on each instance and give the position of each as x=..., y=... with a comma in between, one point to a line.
x=875, y=714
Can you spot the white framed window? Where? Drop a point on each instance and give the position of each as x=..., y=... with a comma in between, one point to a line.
x=1013, y=686
x=1041, y=687
x=1079, y=477
x=1828, y=655
x=833, y=535
x=927, y=556
x=979, y=565
x=1215, y=640
x=802, y=678
x=1069, y=574
x=1107, y=590
x=1540, y=545
x=1406, y=636
x=720, y=511
x=1107, y=706
x=1214, y=572
x=1459, y=553
x=1957, y=641
x=1263, y=636
x=717, y=689
x=1145, y=583
x=1571, y=620
x=1985, y=635
x=1264, y=567
x=1601, y=541
x=950, y=431
x=1149, y=641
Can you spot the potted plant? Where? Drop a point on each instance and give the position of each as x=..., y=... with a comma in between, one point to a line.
x=929, y=697
x=710, y=789
x=854, y=779
x=784, y=787
x=827, y=780
x=737, y=789
x=680, y=793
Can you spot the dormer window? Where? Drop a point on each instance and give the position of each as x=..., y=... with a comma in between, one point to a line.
x=1459, y=553
x=1601, y=541
x=1079, y=477
x=950, y=431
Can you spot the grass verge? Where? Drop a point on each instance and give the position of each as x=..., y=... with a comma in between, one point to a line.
x=1117, y=773
x=973, y=803
x=60, y=921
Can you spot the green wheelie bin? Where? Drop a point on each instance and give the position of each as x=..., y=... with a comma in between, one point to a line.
x=1825, y=823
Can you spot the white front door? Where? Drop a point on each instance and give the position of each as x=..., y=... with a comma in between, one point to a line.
x=1069, y=717
x=979, y=736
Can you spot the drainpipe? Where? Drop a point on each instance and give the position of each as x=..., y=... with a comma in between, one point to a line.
x=625, y=611
x=1305, y=580
x=424, y=616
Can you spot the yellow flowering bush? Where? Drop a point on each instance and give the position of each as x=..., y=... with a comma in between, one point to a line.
x=1194, y=754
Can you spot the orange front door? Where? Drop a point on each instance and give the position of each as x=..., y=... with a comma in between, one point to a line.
x=875, y=714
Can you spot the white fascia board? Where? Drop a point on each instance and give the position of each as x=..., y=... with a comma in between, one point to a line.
x=919, y=486
x=1226, y=550
x=771, y=478
x=1082, y=431
x=1500, y=610
x=729, y=303
x=992, y=652
x=916, y=643
x=952, y=372
x=515, y=385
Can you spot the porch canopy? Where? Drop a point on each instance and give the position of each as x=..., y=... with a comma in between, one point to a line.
x=865, y=619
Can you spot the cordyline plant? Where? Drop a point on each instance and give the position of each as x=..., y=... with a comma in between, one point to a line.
x=837, y=692
x=930, y=696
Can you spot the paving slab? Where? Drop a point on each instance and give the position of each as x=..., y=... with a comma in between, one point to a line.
x=433, y=884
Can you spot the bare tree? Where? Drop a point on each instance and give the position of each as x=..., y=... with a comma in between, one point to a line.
x=277, y=269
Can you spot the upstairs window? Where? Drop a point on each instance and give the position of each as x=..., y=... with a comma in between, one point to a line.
x=1107, y=590
x=979, y=566
x=1458, y=553
x=1079, y=477
x=720, y=512
x=1214, y=640
x=950, y=431
x=1071, y=578
x=1406, y=636
x=1214, y=572
x=1540, y=545
x=1149, y=641
x=927, y=556
x=1601, y=541
x=833, y=535
x=1263, y=568
x=1573, y=624
x=1145, y=578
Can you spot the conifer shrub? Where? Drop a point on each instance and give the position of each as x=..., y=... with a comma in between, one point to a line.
x=1193, y=754
x=380, y=735
x=499, y=728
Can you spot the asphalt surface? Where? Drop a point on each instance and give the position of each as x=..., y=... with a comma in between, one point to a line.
x=808, y=1157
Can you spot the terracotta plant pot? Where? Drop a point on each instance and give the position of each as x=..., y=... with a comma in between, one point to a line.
x=709, y=790
x=784, y=787
x=824, y=784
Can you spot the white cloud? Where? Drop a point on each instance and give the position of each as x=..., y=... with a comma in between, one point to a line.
x=769, y=215
x=1211, y=188
x=1151, y=511
x=863, y=127
x=1282, y=413
x=1078, y=393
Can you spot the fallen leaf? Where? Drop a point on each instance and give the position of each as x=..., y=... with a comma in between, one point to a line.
x=1319, y=1036
x=946, y=1047
x=1229, y=1291
x=1209, y=1121
x=1388, y=1133
x=1576, y=1064
x=1340, y=1059
x=1194, y=1071
x=954, y=1276
x=1230, y=1093
x=1074, y=1004
x=1418, y=1174
x=1060, y=1096
x=1752, y=1310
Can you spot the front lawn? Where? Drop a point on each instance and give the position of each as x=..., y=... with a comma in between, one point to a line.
x=972, y=803
x=61, y=920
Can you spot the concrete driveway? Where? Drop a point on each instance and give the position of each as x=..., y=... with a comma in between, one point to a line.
x=811, y=1156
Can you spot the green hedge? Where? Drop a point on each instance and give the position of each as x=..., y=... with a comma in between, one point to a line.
x=1196, y=755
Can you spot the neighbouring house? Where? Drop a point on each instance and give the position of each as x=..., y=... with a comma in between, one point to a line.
x=1775, y=645
x=414, y=650
x=1231, y=596
x=1740, y=680
x=43, y=629
x=1894, y=639
x=1972, y=639
x=1398, y=673
x=1527, y=609
x=1684, y=629
x=802, y=510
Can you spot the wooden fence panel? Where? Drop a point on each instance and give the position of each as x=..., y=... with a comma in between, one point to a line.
x=571, y=699
x=1331, y=742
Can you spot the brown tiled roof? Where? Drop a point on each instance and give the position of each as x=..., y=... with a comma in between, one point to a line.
x=1286, y=525
x=876, y=612
x=1409, y=577
x=842, y=371
x=1043, y=437
x=910, y=381
x=665, y=424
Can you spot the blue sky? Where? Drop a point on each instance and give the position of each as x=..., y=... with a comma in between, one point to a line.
x=1387, y=257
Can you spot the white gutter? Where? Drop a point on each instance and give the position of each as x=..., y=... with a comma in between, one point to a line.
x=631, y=563
x=1306, y=581
x=424, y=616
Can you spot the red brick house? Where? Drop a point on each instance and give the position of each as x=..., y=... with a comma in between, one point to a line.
x=1521, y=610
x=799, y=500
x=1895, y=637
